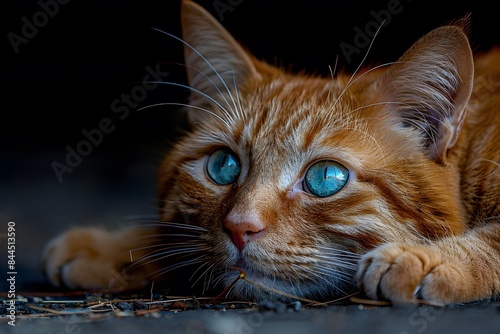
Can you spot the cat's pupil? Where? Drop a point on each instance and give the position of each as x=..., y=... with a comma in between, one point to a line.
x=223, y=166
x=325, y=178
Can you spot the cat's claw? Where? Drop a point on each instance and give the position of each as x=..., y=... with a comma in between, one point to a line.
x=403, y=273
x=416, y=293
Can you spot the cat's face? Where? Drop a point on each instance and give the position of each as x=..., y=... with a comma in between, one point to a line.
x=293, y=177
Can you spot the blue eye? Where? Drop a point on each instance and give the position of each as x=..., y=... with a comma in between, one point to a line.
x=325, y=178
x=223, y=167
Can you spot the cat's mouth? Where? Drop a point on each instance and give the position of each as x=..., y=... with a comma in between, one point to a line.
x=248, y=270
x=264, y=279
x=252, y=274
x=246, y=280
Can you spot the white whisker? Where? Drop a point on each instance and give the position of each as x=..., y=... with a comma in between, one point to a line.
x=199, y=54
x=351, y=81
x=239, y=109
x=221, y=94
x=208, y=97
x=161, y=255
x=202, y=274
x=176, y=266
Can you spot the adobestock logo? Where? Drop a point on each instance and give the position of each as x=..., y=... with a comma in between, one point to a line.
x=223, y=6
x=363, y=37
x=122, y=108
x=30, y=28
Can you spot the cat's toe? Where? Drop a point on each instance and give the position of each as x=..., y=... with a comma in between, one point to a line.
x=50, y=266
x=446, y=283
x=396, y=272
x=77, y=259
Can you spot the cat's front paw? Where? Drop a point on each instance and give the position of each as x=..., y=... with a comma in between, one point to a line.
x=82, y=258
x=404, y=273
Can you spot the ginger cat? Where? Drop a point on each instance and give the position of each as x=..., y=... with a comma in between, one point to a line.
x=386, y=181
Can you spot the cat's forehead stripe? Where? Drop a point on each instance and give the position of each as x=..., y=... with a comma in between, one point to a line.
x=290, y=112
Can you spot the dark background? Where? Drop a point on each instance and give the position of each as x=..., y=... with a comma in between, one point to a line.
x=84, y=57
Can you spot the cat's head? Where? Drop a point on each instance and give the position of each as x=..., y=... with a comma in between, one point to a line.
x=292, y=177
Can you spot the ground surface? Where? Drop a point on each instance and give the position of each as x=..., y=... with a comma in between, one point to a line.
x=484, y=318
x=103, y=313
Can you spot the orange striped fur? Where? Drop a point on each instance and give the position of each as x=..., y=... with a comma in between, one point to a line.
x=418, y=217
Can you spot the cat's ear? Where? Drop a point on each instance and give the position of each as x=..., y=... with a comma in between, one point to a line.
x=215, y=62
x=430, y=85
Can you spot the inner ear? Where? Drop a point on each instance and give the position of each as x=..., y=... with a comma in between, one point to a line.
x=429, y=88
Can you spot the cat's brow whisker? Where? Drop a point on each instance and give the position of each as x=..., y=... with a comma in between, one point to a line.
x=367, y=51
x=332, y=72
x=497, y=167
x=354, y=80
x=199, y=54
x=493, y=162
x=189, y=105
x=332, y=75
x=351, y=79
x=239, y=110
x=372, y=138
x=221, y=94
x=373, y=105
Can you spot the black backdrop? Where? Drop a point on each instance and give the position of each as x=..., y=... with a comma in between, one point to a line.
x=65, y=78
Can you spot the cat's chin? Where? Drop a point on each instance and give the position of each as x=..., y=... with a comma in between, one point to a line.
x=274, y=289
x=258, y=286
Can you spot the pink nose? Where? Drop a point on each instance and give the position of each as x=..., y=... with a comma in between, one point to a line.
x=243, y=232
